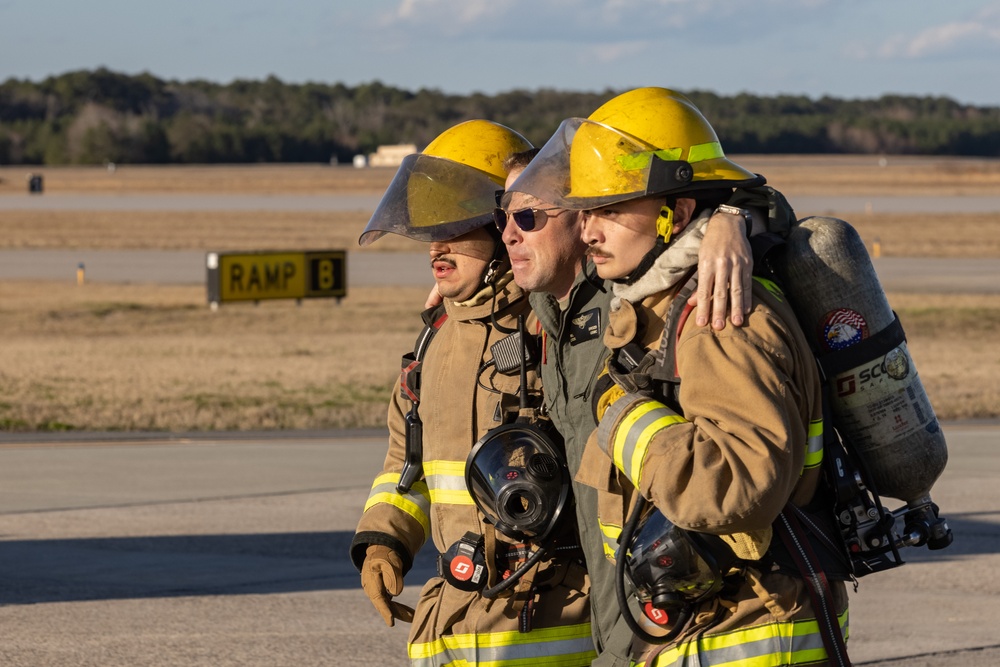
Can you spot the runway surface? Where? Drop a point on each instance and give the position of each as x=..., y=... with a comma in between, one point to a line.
x=231, y=549
x=804, y=205
x=926, y=275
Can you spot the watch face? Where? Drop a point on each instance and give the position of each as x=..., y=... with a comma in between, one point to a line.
x=742, y=212
x=734, y=210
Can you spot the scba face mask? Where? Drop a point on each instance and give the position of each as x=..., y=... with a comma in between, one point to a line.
x=519, y=480
x=671, y=568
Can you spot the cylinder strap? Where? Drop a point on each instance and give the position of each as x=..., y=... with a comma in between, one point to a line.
x=836, y=362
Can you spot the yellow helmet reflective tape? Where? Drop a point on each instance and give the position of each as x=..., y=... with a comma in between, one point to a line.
x=450, y=188
x=648, y=141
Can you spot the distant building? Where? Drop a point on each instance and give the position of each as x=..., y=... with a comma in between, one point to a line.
x=390, y=156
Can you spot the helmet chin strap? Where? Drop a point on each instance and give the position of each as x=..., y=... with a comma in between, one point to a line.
x=645, y=264
x=496, y=262
x=490, y=275
x=492, y=269
x=664, y=230
x=593, y=279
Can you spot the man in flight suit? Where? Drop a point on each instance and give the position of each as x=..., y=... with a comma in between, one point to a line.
x=741, y=438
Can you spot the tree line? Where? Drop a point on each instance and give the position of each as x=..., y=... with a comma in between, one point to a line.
x=93, y=117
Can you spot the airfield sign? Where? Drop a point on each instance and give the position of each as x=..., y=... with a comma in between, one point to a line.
x=256, y=276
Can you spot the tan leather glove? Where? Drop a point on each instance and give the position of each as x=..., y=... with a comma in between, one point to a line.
x=382, y=579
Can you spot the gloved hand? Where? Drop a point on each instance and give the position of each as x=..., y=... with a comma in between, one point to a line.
x=382, y=579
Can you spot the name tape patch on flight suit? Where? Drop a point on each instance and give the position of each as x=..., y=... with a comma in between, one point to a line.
x=585, y=326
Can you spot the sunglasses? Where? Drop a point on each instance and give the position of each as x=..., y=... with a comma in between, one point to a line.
x=527, y=219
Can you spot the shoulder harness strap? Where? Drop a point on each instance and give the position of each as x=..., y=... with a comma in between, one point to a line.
x=409, y=388
x=409, y=385
x=762, y=247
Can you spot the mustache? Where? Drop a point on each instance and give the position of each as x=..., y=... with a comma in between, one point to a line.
x=596, y=252
x=444, y=259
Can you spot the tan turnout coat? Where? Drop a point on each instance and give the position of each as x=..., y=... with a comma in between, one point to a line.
x=751, y=406
x=551, y=602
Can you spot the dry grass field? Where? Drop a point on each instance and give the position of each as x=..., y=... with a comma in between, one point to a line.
x=154, y=357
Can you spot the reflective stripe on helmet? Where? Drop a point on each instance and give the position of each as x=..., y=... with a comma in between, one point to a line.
x=698, y=153
x=771, y=287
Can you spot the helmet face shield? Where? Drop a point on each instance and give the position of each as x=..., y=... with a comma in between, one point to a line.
x=433, y=199
x=547, y=175
x=587, y=165
x=519, y=480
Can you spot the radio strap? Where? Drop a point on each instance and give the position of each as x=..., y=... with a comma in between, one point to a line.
x=409, y=388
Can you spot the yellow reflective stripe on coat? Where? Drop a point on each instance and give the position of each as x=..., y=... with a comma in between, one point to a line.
x=610, y=534
x=634, y=432
x=814, y=445
x=446, y=482
x=566, y=646
x=774, y=644
x=416, y=502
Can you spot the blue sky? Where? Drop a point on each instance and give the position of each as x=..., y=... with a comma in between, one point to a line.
x=844, y=48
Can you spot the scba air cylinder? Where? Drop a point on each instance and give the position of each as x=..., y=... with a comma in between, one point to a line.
x=879, y=404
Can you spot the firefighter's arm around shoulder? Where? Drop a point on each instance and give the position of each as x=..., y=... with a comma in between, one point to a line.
x=731, y=461
x=394, y=525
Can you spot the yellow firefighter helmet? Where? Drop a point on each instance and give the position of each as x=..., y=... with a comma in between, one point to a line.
x=648, y=141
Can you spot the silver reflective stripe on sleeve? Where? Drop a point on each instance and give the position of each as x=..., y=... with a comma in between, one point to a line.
x=416, y=502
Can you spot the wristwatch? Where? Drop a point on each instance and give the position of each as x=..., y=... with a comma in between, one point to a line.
x=736, y=210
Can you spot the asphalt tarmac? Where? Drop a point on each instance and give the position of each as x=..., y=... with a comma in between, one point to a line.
x=366, y=268
x=231, y=549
